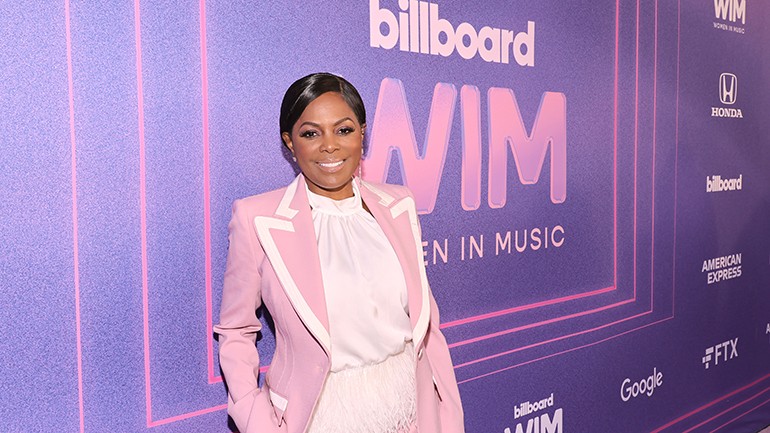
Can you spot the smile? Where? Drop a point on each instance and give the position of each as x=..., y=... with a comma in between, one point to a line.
x=331, y=166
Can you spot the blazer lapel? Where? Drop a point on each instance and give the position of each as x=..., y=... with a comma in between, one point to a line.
x=288, y=239
x=398, y=220
x=290, y=244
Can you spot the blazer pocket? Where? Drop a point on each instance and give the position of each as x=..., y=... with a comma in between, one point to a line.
x=280, y=403
x=435, y=387
x=432, y=376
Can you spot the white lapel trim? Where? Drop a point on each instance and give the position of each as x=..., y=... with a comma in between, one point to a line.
x=264, y=224
x=385, y=198
x=284, y=208
x=278, y=401
x=407, y=205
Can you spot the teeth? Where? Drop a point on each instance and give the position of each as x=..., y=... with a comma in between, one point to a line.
x=330, y=164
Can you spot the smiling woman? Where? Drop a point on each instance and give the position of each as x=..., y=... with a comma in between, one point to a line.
x=338, y=262
x=327, y=143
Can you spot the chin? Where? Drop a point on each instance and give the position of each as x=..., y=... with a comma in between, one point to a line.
x=335, y=184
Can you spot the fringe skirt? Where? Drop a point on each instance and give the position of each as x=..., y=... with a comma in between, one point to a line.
x=379, y=398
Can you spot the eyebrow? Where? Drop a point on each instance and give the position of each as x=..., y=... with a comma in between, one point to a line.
x=318, y=126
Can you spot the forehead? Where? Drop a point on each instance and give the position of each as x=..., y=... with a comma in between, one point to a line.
x=330, y=106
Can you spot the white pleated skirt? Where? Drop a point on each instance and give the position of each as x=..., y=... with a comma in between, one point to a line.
x=379, y=398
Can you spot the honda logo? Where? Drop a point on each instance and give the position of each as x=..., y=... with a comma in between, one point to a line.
x=728, y=88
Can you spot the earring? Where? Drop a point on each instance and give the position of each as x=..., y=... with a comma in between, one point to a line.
x=294, y=158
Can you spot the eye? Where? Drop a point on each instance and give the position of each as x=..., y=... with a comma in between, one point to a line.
x=345, y=130
x=308, y=134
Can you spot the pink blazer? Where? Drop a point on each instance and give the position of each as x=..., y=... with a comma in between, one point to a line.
x=273, y=258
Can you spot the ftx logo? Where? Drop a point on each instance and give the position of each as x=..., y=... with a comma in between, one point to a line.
x=721, y=352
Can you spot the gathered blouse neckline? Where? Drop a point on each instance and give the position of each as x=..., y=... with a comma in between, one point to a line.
x=330, y=206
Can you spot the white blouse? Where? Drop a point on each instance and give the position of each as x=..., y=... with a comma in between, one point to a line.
x=364, y=284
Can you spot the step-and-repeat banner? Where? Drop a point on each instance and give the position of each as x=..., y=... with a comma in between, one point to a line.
x=593, y=182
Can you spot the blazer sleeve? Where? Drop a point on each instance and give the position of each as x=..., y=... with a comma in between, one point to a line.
x=247, y=404
x=450, y=406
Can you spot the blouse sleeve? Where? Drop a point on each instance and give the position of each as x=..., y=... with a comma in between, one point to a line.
x=238, y=326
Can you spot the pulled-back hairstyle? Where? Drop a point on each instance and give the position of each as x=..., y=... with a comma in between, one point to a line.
x=305, y=90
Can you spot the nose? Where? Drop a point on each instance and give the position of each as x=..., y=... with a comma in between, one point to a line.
x=329, y=143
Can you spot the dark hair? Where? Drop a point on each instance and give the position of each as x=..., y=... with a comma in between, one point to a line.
x=305, y=90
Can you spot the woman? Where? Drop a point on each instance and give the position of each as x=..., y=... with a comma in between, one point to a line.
x=338, y=263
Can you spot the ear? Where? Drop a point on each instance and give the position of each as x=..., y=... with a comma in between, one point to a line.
x=363, y=129
x=287, y=141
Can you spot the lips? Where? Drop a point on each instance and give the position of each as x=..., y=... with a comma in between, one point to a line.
x=331, y=166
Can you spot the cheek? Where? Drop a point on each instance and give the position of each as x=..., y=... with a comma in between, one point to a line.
x=356, y=146
x=302, y=149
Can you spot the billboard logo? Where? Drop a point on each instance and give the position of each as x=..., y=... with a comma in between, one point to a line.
x=646, y=386
x=728, y=88
x=527, y=408
x=730, y=10
x=717, y=184
x=728, y=94
x=721, y=352
x=419, y=29
x=544, y=423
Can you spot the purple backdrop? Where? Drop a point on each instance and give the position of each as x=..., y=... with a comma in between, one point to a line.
x=588, y=279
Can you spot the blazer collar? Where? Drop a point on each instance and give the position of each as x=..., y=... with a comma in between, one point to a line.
x=289, y=241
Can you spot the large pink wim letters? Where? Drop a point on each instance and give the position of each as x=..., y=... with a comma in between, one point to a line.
x=393, y=131
x=506, y=126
